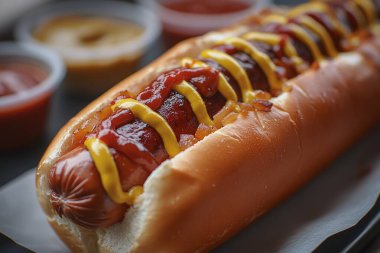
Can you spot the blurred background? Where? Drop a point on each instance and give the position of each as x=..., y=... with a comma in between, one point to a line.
x=72, y=51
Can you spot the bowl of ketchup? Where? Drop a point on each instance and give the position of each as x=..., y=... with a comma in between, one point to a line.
x=186, y=18
x=29, y=75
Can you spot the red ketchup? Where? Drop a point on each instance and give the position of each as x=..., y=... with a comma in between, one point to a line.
x=144, y=145
x=18, y=77
x=23, y=121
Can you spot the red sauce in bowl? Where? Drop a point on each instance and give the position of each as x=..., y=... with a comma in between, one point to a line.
x=207, y=6
x=23, y=122
x=29, y=75
x=17, y=76
x=187, y=18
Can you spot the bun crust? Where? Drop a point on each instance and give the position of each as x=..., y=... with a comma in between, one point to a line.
x=239, y=172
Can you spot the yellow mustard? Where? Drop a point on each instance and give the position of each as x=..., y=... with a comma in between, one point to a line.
x=274, y=39
x=321, y=32
x=262, y=59
x=305, y=38
x=275, y=18
x=298, y=32
x=109, y=174
x=369, y=9
x=359, y=16
x=321, y=8
x=153, y=119
x=229, y=63
x=196, y=102
x=223, y=86
x=376, y=29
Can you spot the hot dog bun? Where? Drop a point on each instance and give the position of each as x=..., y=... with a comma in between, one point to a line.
x=237, y=173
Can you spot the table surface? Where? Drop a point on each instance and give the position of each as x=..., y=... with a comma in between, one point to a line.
x=64, y=107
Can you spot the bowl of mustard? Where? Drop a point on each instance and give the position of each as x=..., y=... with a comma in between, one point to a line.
x=101, y=42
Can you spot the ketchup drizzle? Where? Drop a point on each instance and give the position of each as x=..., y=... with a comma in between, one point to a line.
x=140, y=146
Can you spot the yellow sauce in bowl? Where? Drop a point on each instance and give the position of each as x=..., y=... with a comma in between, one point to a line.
x=79, y=31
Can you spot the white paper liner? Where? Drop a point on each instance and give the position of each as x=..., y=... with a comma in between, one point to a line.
x=334, y=201
x=22, y=219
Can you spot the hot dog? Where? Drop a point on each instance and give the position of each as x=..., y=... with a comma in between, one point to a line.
x=216, y=131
